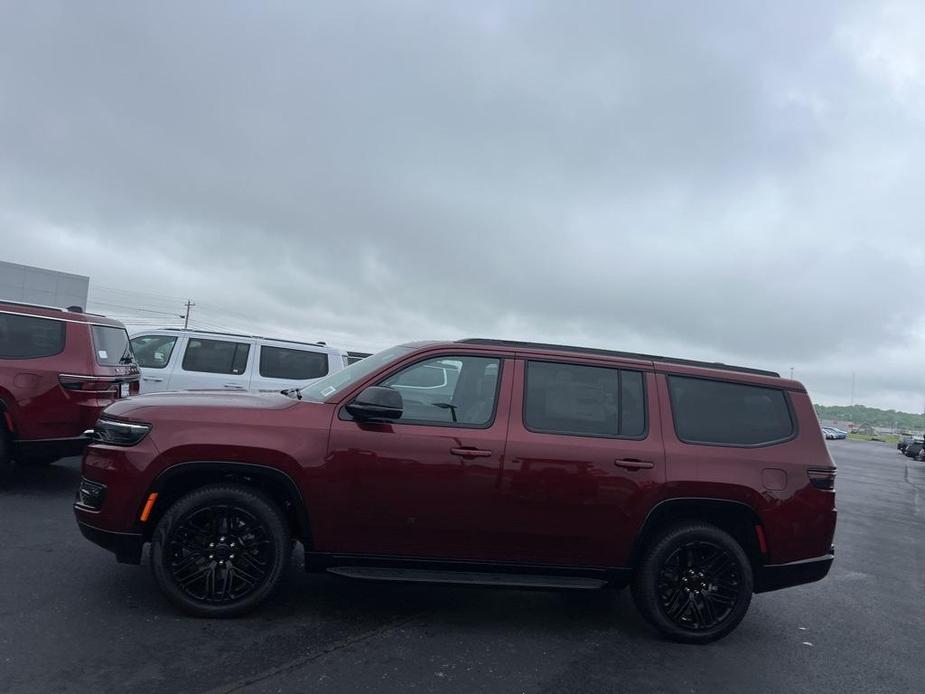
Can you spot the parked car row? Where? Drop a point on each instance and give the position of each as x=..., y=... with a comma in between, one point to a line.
x=60, y=368
x=833, y=433
x=478, y=462
x=912, y=446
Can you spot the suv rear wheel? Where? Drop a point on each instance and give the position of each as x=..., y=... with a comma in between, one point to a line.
x=694, y=583
x=220, y=550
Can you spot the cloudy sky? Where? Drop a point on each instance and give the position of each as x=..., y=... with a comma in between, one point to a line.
x=733, y=181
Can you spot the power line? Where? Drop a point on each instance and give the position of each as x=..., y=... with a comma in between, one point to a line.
x=140, y=293
x=136, y=308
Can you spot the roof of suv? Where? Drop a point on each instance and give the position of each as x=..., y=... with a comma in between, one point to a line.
x=613, y=353
x=57, y=313
x=215, y=333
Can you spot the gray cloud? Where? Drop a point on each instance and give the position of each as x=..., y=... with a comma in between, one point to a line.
x=720, y=182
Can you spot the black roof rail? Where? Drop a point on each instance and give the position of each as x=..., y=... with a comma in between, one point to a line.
x=250, y=337
x=614, y=353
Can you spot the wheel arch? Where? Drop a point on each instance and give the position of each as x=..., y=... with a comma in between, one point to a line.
x=735, y=517
x=181, y=478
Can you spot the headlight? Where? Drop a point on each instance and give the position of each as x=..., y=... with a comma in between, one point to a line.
x=119, y=433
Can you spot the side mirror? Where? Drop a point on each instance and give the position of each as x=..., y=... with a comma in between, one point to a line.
x=376, y=402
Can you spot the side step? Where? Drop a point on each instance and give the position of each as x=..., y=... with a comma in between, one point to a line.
x=467, y=578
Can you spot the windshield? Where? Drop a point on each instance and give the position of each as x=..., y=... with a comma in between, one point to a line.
x=336, y=382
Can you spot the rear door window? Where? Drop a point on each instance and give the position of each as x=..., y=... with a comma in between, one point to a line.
x=292, y=364
x=111, y=345
x=30, y=337
x=584, y=400
x=729, y=414
x=153, y=351
x=216, y=356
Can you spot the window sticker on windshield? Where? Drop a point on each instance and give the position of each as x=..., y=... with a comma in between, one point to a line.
x=327, y=391
x=103, y=354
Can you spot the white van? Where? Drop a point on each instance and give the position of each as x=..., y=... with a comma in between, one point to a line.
x=176, y=359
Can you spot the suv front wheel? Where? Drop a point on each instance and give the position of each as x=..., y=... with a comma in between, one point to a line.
x=220, y=550
x=694, y=583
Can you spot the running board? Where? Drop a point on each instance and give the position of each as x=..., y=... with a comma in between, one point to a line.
x=467, y=578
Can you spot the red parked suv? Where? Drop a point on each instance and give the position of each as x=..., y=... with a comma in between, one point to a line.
x=58, y=370
x=479, y=461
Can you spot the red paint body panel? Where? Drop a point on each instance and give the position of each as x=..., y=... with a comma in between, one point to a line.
x=566, y=501
x=799, y=520
x=396, y=489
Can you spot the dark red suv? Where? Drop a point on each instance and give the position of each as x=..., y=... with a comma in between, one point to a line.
x=479, y=461
x=58, y=370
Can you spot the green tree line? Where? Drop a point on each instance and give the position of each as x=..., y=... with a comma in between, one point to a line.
x=859, y=414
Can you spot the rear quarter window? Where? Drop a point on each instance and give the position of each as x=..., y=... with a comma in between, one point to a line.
x=729, y=414
x=30, y=337
x=292, y=364
x=111, y=345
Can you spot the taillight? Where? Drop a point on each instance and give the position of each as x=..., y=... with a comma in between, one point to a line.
x=822, y=477
x=87, y=384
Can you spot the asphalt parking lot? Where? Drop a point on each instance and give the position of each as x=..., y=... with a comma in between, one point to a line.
x=71, y=619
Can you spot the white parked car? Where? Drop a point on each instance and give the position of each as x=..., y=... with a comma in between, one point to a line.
x=175, y=359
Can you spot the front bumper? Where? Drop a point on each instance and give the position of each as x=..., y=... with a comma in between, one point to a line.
x=776, y=576
x=126, y=546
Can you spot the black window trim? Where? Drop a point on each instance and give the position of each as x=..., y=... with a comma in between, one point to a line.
x=794, y=421
x=62, y=322
x=619, y=437
x=237, y=344
x=343, y=415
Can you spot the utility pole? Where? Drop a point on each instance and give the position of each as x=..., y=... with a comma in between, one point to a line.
x=852, y=388
x=189, y=305
x=791, y=373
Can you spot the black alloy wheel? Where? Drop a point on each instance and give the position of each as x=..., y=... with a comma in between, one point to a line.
x=220, y=550
x=694, y=583
x=698, y=585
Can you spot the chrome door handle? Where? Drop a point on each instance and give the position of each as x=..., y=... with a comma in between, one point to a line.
x=152, y=379
x=470, y=452
x=634, y=464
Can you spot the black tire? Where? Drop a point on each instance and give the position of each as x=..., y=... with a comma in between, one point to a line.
x=220, y=550
x=694, y=583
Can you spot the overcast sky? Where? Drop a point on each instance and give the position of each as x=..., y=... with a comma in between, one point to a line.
x=727, y=181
